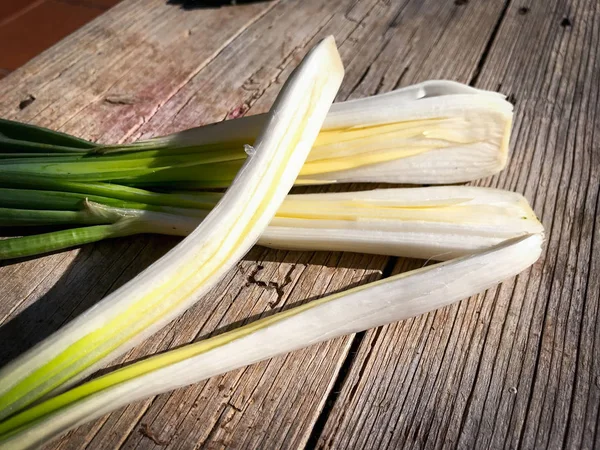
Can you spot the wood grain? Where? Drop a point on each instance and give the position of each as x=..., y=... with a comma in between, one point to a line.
x=514, y=366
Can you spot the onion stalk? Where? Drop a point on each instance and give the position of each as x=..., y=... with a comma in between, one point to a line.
x=388, y=300
x=19, y=139
x=176, y=281
x=436, y=132
x=438, y=223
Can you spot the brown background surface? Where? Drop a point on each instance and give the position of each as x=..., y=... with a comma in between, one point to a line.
x=27, y=27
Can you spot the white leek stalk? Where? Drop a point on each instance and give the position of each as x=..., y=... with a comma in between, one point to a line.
x=389, y=300
x=436, y=132
x=438, y=223
x=175, y=282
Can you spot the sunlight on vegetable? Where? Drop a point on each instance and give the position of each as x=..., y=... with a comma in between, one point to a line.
x=437, y=223
x=176, y=281
x=385, y=301
x=436, y=132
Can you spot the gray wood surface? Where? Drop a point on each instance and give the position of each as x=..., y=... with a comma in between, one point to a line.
x=517, y=366
x=512, y=367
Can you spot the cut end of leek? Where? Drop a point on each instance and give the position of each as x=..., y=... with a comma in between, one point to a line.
x=438, y=132
x=437, y=223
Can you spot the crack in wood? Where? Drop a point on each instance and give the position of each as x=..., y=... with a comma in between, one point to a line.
x=398, y=83
x=235, y=408
x=146, y=431
x=489, y=44
x=120, y=99
x=271, y=285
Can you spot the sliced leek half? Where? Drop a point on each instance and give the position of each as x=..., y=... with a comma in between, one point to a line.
x=438, y=223
x=388, y=300
x=436, y=132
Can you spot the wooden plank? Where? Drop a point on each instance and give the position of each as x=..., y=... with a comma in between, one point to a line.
x=274, y=403
x=133, y=41
x=514, y=367
x=80, y=71
x=277, y=402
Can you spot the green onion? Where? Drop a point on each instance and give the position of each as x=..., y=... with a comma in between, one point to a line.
x=436, y=132
x=437, y=223
x=115, y=191
x=55, y=200
x=375, y=304
x=16, y=136
x=176, y=281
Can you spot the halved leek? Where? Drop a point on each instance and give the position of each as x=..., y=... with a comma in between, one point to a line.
x=389, y=300
x=172, y=284
x=436, y=132
x=438, y=223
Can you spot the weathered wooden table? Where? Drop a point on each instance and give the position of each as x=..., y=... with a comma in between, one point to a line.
x=516, y=366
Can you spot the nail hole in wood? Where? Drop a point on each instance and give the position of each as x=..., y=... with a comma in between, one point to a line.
x=566, y=22
x=26, y=102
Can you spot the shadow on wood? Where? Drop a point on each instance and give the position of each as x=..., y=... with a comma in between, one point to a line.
x=240, y=323
x=96, y=271
x=204, y=4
